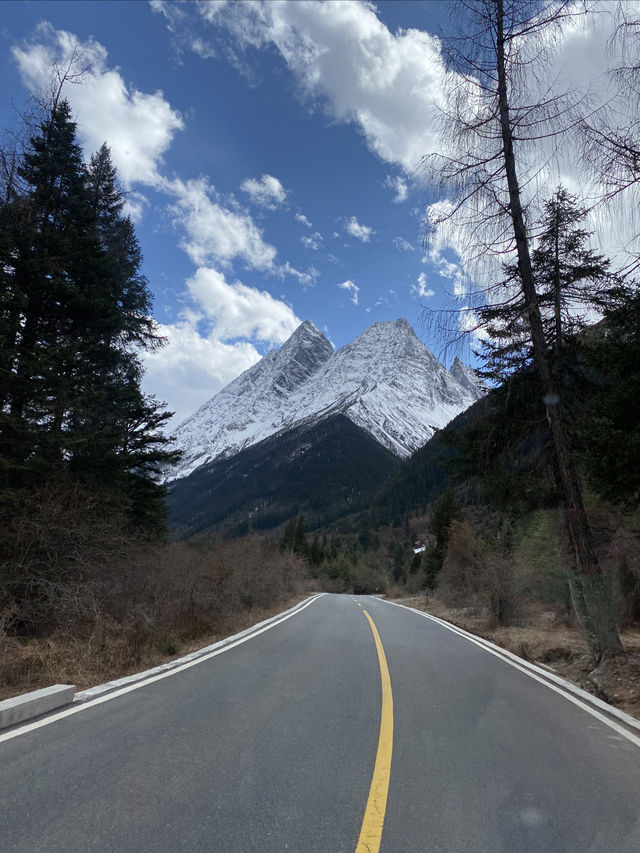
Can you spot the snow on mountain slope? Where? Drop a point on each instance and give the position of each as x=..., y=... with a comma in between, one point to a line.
x=386, y=381
x=466, y=376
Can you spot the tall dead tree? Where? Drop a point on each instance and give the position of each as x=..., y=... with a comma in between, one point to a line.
x=610, y=135
x=500, y=123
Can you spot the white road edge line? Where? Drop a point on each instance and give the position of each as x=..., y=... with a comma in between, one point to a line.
x=28, y=727
x=496, y=651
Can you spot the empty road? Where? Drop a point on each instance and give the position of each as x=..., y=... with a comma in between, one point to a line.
x=353, y=725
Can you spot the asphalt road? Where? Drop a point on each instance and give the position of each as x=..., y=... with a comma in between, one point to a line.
x=271, y=746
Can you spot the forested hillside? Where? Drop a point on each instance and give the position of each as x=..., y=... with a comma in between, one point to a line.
x=321, y=471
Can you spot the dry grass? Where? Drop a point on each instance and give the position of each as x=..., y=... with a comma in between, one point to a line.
x=552, y=639
x=159, y=603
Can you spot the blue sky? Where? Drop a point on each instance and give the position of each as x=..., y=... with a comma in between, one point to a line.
x=271, y=153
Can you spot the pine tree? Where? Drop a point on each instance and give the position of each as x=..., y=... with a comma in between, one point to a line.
x=571, y=280
x=50, y=236
x=74, y=313
x=288, y=537
x=611, y=430
x=300, y=545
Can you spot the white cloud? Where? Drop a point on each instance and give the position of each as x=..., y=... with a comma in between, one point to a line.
x=212, y=10
x=137, y=126
x=360, y=232
x=399, y=187
x=239, y=311
x=300, y=217
x=192, y=367
x=267, y=192
x=307, y=279
x=202, y=353
x=352, y=288
x=402, y=245
x=136, y=204
x=313, y=242
x=212, y=231
x=385, y=83
x=420, y=289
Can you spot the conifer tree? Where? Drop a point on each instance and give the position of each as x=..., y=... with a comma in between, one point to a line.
x=571, y=280
x=300, y=545
x=74, y=314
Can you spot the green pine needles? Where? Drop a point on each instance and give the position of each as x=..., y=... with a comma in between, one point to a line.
x=75, y=314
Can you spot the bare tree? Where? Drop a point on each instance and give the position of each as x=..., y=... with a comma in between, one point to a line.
x=610, y=136
x=501, y=120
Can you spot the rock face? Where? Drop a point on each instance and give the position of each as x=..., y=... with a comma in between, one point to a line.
x=467, y=377
x=385, y=381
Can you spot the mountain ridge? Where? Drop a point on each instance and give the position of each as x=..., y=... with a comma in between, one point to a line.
x=385, y=381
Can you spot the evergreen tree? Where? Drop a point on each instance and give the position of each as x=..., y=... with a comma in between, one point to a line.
x=300, y=545
x=288, y=537
x=74, y=312
x=571, y=280
x=611, y=430
x=315, y=552
x=446, y=510
x=50, y=237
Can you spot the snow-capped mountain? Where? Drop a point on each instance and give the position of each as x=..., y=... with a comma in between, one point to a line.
x=385, y=381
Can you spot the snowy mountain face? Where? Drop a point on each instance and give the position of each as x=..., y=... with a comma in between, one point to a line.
x=467, y=377
x=385, y=381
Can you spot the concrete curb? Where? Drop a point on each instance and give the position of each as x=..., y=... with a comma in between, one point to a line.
x=100, y=689
x=588, y=698
x=29, y=705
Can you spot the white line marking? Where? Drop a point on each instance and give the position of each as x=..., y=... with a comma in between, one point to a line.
x=29, y=727
x=481, y=643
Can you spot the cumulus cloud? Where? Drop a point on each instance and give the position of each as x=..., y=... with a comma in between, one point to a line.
x=213, y=231
x=399, y=187
x=420, y=288
x=402, y=245
x=202, y=353
x=239, y=311
x=343, y=56
x=300, y=217
x=352, y=288
x=137, y=126
x=313, y=242
x=267, y=192
x=360, y=232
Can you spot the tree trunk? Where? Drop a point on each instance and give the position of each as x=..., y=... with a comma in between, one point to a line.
x=592, y=591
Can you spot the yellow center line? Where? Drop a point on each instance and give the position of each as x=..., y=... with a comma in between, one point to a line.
x=373, y=821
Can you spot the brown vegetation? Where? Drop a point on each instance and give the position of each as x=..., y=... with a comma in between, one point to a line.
x=83, y=604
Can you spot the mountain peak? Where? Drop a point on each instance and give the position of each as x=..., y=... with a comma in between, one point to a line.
x=467, y=377
x=307, y=328
x=385, y=381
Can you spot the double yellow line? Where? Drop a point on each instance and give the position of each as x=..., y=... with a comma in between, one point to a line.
x=373, y=821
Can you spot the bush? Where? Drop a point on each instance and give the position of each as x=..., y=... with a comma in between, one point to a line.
x=82, y=602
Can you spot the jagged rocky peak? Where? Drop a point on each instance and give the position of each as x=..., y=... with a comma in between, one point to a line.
x=390, y=340
x=467, y=377
x=385, y=381
x=300, y=357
